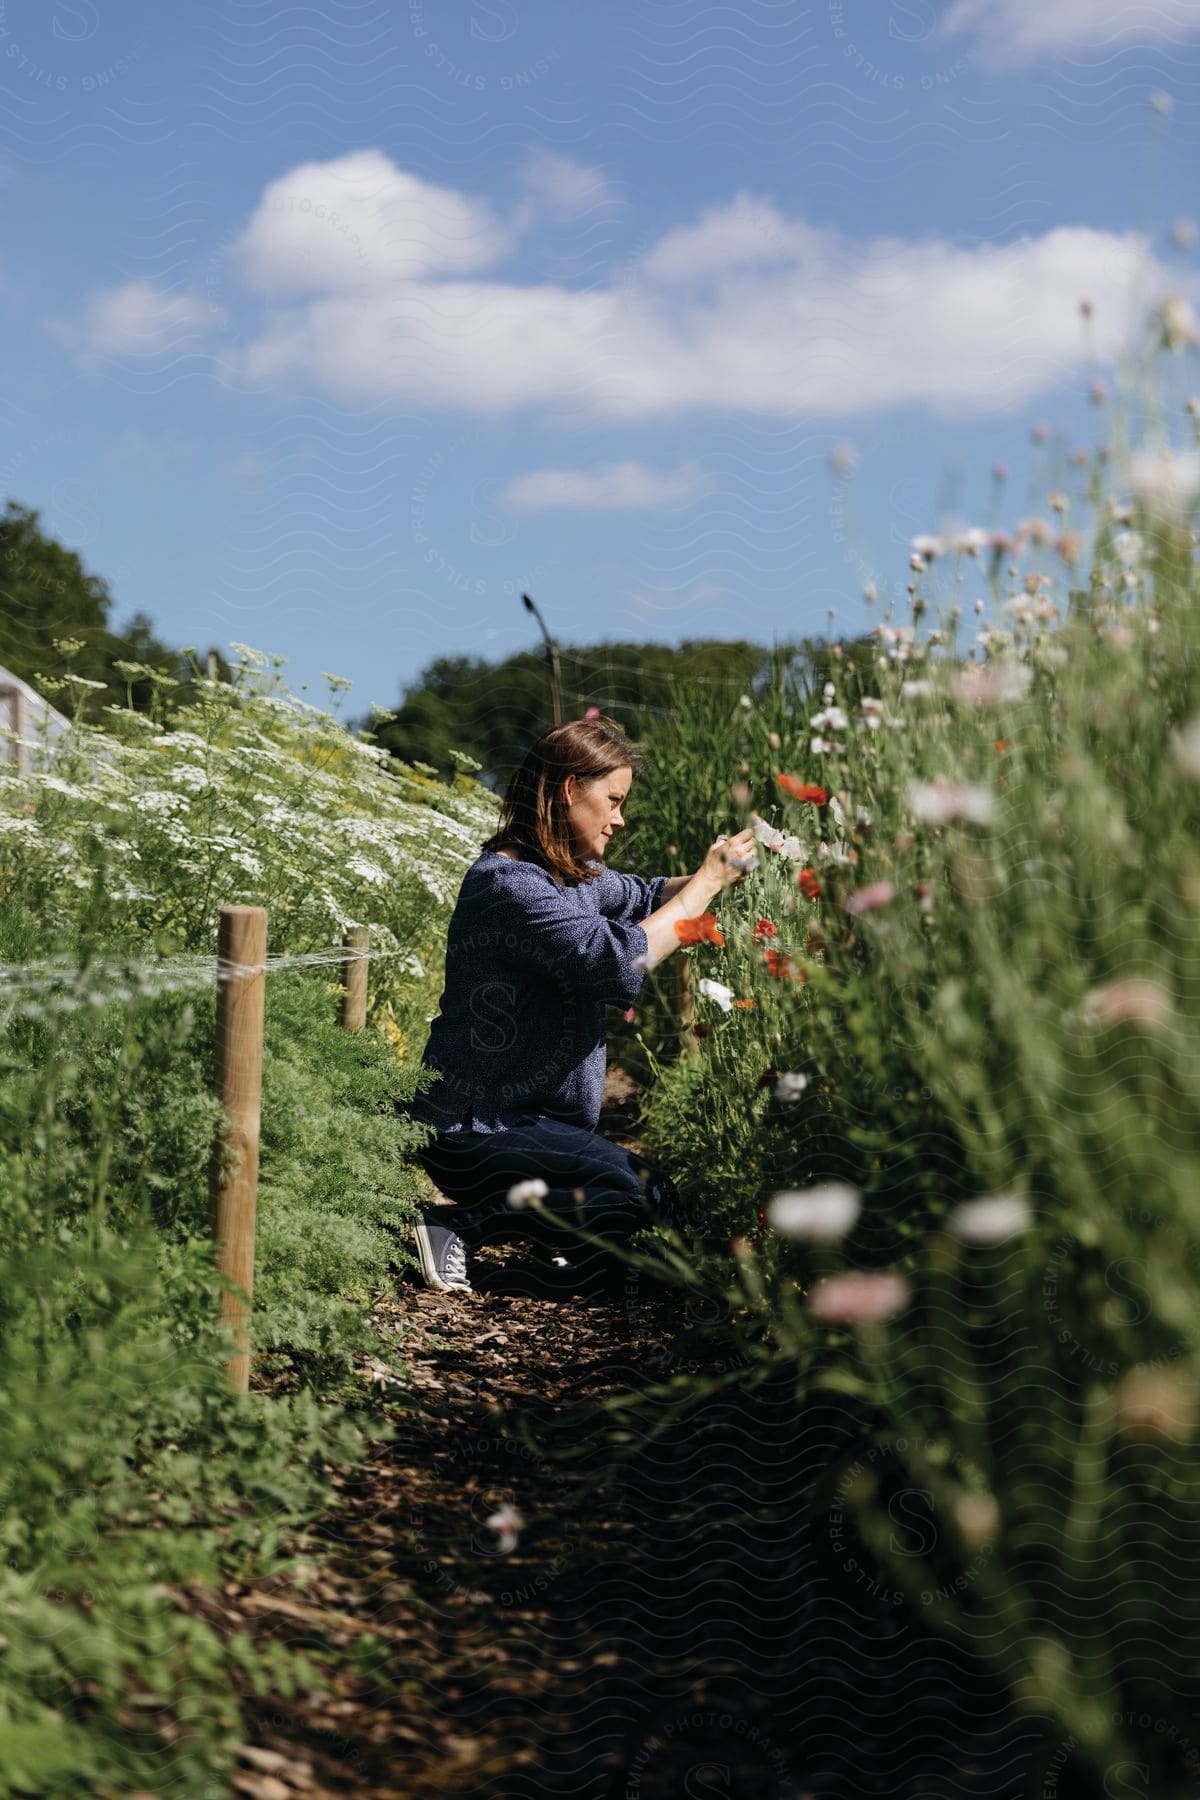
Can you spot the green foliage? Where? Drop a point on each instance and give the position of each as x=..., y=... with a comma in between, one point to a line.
x=128, y=1468
x=113, y=862
x=990, y=999
x=139, y=835
x=495, y=711
x=49, y=597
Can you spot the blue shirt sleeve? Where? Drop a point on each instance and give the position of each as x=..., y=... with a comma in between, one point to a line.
x=629, y=898
x=596, y=955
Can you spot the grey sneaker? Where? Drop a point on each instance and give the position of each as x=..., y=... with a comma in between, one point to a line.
x=442, y=1254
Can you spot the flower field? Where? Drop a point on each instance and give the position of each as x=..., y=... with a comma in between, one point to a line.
x=935, y=1126
x=114, y=863
x=945, y=1098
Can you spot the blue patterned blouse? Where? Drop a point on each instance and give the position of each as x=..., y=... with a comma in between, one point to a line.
x=530, y=967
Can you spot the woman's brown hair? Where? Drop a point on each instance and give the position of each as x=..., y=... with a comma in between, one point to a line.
x=534, y=818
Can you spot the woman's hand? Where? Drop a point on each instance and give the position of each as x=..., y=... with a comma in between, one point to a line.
x=729, y=860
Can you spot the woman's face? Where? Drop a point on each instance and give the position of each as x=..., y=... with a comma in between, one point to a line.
x=594, y=809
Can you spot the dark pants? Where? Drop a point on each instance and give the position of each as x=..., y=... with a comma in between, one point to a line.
x=591, y=1182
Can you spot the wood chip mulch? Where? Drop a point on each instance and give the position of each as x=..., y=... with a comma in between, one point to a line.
x=653, y=1615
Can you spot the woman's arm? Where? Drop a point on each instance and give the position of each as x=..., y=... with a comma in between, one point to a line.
x=690, y=895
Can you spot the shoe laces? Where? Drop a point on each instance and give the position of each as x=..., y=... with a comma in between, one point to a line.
x=456, y=1262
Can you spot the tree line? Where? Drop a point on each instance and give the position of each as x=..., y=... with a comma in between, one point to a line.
x=47, y=596
x=490, y=711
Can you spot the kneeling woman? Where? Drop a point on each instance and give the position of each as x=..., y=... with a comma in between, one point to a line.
x=543, y=937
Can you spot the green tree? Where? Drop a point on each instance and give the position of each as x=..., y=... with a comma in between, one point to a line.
x=494, y=711
x=46, y=594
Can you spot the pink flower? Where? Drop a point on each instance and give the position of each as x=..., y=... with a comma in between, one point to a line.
x=593, y=712
x=870, y=899
x=627, y=1015
x=939, y=801
x=992, y=683
x=862, y=1298
x=1136, y=999
x=1156, y=1405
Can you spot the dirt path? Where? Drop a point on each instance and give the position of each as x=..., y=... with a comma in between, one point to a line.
x=495, y=1669
x=668, y=1619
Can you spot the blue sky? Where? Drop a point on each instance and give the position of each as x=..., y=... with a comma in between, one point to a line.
x=330, y=329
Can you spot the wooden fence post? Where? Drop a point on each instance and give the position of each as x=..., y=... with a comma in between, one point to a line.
x=687, y=1006
x=241, y=991
x=354, y=978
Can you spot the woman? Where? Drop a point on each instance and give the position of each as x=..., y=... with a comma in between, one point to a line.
x=543, y=937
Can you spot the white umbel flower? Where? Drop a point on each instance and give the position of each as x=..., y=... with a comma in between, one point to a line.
x=991, y=1219
x=522, y=1192
x=823, y=1214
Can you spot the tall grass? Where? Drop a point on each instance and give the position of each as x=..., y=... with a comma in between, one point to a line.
x=946, y=1095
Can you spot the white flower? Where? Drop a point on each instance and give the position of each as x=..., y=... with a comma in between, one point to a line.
x=522, y=1192
x=1166, y=482
x=917, y=690
x=926, y=546
x=832, y=718
x=716, y=990
x=770, y=835
x=507, y=1523
x=940, y=801
x=824, y=1213
x=1178, y=322
x=835, y=809
x=1185, y=748
x=792, y=848
x=819, y=746
x=746, y=701
x=789, y=1086
x=367, y=870
x=828, y=691
x=971, y=541
x=991, y=1219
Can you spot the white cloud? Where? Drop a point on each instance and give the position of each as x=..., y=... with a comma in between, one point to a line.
x=745, y=233
x=747, y=311
x=792, y=321
x=359, y=224
x=561, y=188
x=1012, y=32
x=614, y=487
x=138, y=319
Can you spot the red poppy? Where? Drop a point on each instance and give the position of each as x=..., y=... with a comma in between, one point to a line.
x=802, y=790
x=810, y=887
x=701, y=930
x=765, y=929
x=779, y=964
x=743, y=1003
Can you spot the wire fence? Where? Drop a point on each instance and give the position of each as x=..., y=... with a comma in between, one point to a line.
x=61, y=985
x=239, y=971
